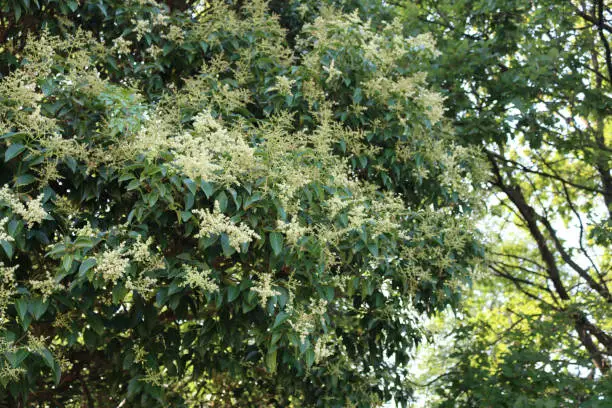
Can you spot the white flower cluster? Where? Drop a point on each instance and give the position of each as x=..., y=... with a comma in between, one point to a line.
x=7, y=288
x=140, y=250
x=8, y=373
x=7, y=346
x=153, y=377
x=4, y=236
x=175, y=34
x=122, y=45
x=192, y=157
x=153, y=138
x=324, y=347
x=336, y=204
x=46, y=286
x=424, y=41
x=33, y=212
x=85, y=231
x=141, y=28
x=199, y=279
x=143, y=285
x=358, y=216
x=293, y=230
x=154, y=51
x=305, y=323
x=387, y=221
x=433, y=103
x=284, y=85
x=384, y=87
x=331, y=71
x=263, y=287
x=210, y=152
x=36, y=343
x=111, y=264
x=229, y=149
x=214, y=223
x=160, y=19
x=140, y=353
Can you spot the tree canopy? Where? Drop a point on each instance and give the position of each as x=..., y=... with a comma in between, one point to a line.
x=260, y=203
x=230, y=203
x=530, y=82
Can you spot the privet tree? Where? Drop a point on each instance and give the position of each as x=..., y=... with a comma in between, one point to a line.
x=198, y=209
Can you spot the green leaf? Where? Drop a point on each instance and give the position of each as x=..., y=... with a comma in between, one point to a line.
x=22, y=308
x=134, y=387
x=24, y=180
x=309, y=357
x=102, y=8
x=47, y=357
x=175, y=287
x=222, y=199
x=193, y=188
x=8, y=135
x=14, y=227
x=67, y=262
x=86, y=265
x=247, y=305
x=13, y=151
x=71, y=163
x=83, y=242
x=17, y=11
x=276, y=241
x=38, y=307
x=7, y=247
x=373, y=248
x=189, y=201
x=58, y=249
x=281, y=317
x=207, y=188
x=228, y=250
x=251, y=200
x=25, y=322
x=126, y=177
x=133, y=185
x=16, y=358
x=271, y=361
x=232, y=293
x=276, y=336
x=357, y=95
x=73, y=5
x=57, y=373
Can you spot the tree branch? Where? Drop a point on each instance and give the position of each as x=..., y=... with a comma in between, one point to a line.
x=543, y=174
x=602, y=36
x=528, y=214
x=602, y=290
x=517, y=283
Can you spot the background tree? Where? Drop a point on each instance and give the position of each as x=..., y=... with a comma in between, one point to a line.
x=201, y=206
x=530, y=81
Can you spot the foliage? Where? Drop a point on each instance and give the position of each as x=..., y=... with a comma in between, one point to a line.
x=198, y=209
x=506, y=352
x=530, y=81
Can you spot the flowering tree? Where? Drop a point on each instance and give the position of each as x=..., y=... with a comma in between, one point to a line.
x=196, y=208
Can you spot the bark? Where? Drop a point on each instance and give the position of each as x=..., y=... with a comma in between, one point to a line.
x=584, y=334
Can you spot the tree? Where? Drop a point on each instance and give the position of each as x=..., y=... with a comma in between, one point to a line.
x=196, y=207
x=530, y=81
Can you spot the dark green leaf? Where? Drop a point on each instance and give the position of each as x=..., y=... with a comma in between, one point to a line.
x=13, y=151
x=276, y=242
